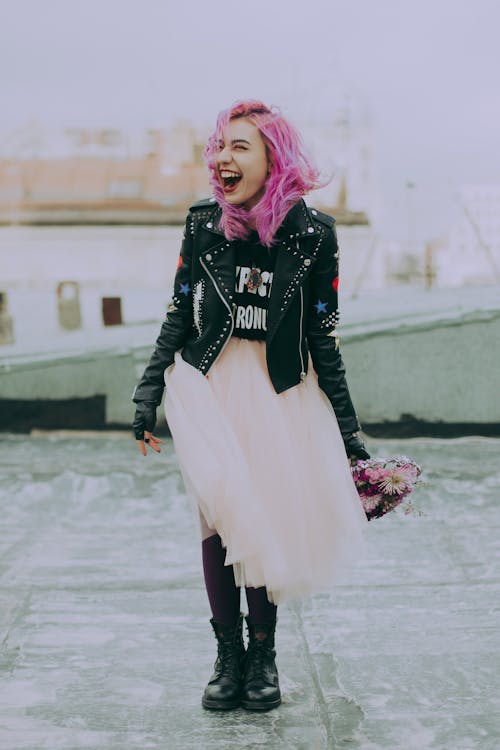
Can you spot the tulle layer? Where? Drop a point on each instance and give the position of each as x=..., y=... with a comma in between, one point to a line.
x=268, y=471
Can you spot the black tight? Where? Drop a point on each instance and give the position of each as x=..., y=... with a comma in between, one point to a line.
x=224, y=595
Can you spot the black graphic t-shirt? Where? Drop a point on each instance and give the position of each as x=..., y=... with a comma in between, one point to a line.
x=254, y=278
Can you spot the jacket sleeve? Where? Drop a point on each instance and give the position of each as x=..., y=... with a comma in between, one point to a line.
x=322, y=337
x=175, y=328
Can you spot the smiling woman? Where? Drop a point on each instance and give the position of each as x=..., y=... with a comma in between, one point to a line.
x=275, y=160
x=242, y=163
x=256, y=396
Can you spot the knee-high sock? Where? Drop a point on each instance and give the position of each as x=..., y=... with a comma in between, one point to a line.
x=260, y=610
x=223, y=594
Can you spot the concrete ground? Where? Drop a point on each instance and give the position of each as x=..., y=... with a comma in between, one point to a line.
x=104, y=632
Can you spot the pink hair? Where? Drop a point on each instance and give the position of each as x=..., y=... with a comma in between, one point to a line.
x=292, y=173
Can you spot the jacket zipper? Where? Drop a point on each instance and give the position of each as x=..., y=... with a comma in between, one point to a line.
x=302, y=373
x=226, y=304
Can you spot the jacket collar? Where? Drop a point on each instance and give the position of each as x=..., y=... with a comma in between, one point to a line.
x=297, y=223
x=212, y=223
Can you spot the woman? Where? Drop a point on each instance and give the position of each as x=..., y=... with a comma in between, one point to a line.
x=262, y=437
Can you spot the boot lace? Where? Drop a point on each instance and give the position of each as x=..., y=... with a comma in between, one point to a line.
x=255, y=664
x=228, y=655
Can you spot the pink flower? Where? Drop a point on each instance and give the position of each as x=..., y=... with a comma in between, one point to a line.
x=376, y=473
x=411, y=472
x=395, y=483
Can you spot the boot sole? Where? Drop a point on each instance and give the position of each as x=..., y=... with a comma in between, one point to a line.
x=250, y=706
x=220, y=705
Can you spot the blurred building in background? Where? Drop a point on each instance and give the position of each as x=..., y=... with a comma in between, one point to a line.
x=83, y=176
x=82, y=182
x=79, y=175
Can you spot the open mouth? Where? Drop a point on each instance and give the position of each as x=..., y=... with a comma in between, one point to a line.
x=229, y=180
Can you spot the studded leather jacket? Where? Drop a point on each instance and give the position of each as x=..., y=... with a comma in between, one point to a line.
x=302, y=315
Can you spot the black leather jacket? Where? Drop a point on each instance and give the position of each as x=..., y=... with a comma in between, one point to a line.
x=302, y=314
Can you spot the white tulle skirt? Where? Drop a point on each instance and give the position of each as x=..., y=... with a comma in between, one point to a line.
x=268, y=471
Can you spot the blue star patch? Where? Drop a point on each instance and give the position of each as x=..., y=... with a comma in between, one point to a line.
x=185, y=289
x=320, y=306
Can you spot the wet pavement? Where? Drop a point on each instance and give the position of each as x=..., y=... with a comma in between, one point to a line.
x=105, y=639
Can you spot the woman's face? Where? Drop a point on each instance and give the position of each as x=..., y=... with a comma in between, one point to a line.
x=242, y=163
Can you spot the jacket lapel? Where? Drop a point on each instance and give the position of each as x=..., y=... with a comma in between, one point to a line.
x=296, y=255
x=217, y=255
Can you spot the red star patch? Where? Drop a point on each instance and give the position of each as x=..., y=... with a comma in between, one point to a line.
x=335, y=283
x=179, y=262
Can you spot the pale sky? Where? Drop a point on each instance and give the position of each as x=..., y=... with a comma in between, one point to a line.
x=427, y=71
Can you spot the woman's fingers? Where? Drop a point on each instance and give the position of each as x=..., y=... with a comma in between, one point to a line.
x=142, y=447
x=149, y=439
x=153, y=441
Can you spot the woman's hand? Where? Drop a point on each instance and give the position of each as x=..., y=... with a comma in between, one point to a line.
x=151, y=440
x=354, y=446
x=143, y=425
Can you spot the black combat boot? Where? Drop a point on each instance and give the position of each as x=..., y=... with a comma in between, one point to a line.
x=224, y=687
x=261, y=690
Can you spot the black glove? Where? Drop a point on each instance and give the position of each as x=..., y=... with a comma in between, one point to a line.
x=145, y=418
x=354, y=446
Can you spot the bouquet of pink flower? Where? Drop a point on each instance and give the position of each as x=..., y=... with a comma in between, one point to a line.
x=382, y=484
